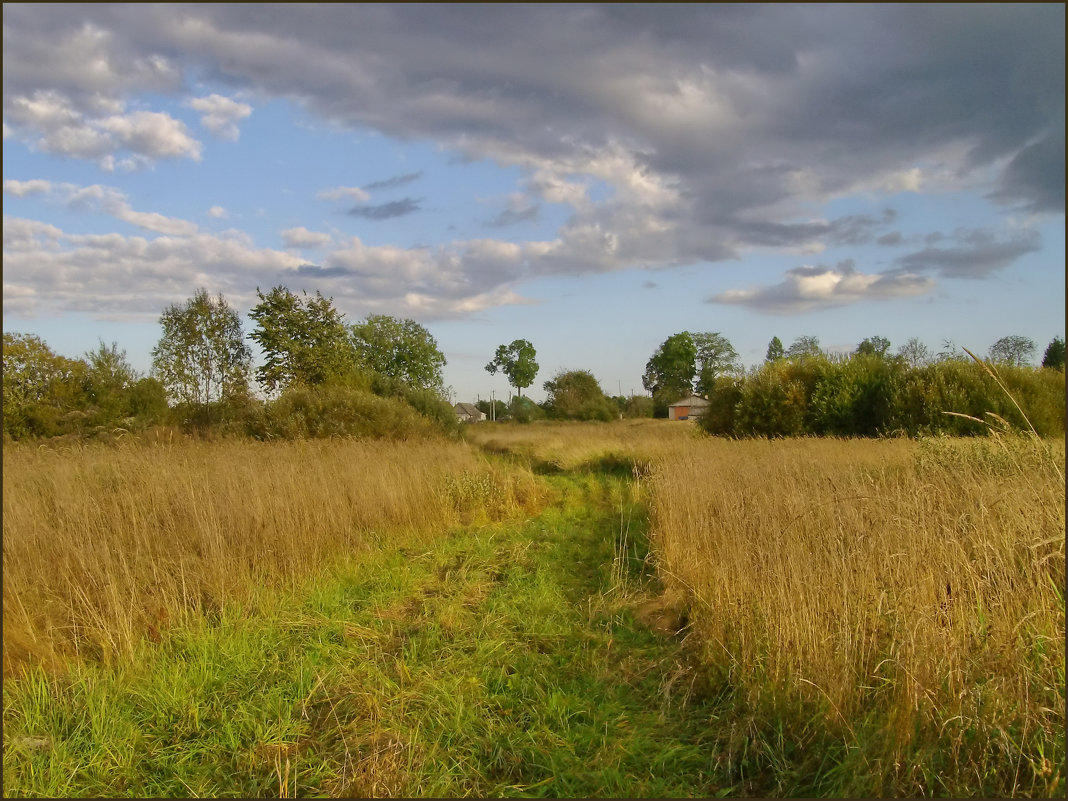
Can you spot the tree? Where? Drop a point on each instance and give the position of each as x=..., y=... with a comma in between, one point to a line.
x=715, y=357
x=38, y=386
x=494, y=410
x=804, y=347
x=670, y=370
x=873, y=346
x=576, y=395
x=1054, y=355
x=400, y=349
x=109, y=381
x=524, y=410
x=914, y=353
x=1015, y=350
x=304, y=340
x=202, y=356
x=950, y=352
x=775, y=351
x=517, y=362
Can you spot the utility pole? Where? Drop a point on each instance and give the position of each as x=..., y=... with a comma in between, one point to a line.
x=493, y=408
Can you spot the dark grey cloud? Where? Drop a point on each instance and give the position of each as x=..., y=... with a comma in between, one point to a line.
x=709, y=94
x=717, y=128
x=316, y=271
x=387, y=211
x=395, y=181
x=1035, y=176
x=891, y=239
x=976, y=255
x=515, y=215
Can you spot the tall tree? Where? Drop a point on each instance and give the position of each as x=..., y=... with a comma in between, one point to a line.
x=715, y=356
x=775, y=351
x=400, y=349
x=914, y=353
x=873, y=346
x=110, y=379
x=1054, y=355
x=517, y=362
x=576, y=395
x=1015, y=350
x=39, y=385
x=304, y=340
x=202, y=355
x=804, y=347
x=670, y=370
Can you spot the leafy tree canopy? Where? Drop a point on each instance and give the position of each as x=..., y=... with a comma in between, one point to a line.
x=576, y=395
x=914, y=353
x=400, y=349
x=670, y=370
x=775, y=350
x=873, y=346
x=715, y=356
x=805, y=347
x=517, y=362
x=38, y=384
x=1015, y=350
x=1054, y=355
x=202, y=355
x=303, y=339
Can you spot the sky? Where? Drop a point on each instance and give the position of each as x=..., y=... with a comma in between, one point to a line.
x=592, y=179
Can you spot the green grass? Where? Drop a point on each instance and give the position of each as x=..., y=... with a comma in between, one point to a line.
x=503, y=661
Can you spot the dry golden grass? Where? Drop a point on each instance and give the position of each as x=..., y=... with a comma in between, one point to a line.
x=567, y=445
x=105, y=544
x=924, y=579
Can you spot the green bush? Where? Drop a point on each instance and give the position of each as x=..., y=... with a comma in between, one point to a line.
x=719, y=417
x=425, y=401
x=334, y=411
x=870, y=395
x=855, y=397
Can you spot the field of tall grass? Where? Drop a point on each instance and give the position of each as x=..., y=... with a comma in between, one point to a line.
x=105, y=544
x=866, y=617
x=901, y=603
x=561, y=446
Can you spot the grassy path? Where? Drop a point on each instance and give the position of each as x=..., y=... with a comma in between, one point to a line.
x=502, y=660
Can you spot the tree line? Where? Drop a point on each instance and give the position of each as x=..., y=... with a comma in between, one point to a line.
x=320, y=376
x=382, y=376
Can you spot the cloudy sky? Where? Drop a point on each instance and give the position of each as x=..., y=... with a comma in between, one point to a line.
x=591, y=178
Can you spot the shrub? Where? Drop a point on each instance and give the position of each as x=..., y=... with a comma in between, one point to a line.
x=333, y=411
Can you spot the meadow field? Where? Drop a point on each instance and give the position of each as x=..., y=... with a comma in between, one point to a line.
x=626, y=608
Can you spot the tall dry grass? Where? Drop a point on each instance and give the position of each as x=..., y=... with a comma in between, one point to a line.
x=920, y=585
x=105, y=544
x=567, y=445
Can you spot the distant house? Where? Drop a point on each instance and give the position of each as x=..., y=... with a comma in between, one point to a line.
x=690, y=408
x=469, y=413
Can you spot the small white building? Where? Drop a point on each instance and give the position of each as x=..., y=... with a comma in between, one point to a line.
x=469, y=413
x=690, y=408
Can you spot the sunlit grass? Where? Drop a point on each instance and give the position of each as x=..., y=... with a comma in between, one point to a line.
x=910, y=595
x=104, y=545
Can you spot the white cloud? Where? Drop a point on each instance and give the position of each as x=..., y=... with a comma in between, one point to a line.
x=131, y=277
x=338, y=192
x=25, y=188
x=301, y=237
x=218, y=212
x=52, y=123
x=154, y=134
x=819, y=287
x=102, y=200
x=220, y=115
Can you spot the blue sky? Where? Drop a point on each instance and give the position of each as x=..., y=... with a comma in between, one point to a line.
x=591, y=178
